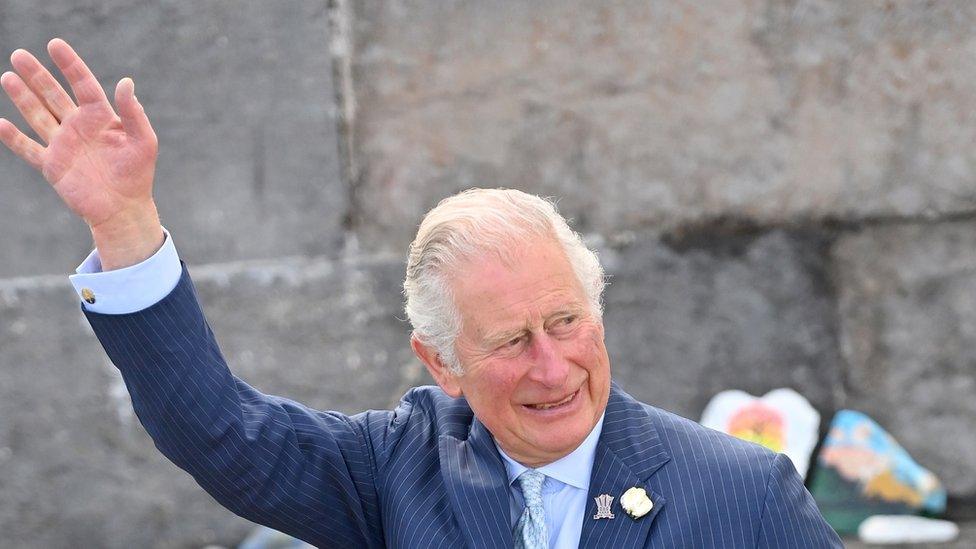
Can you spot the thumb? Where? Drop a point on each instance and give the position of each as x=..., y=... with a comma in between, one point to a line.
x=133, y=116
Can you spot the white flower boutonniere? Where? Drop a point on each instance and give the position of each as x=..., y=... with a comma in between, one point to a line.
x=636, y=502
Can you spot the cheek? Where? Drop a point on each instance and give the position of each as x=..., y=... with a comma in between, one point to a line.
x=588, y=346
x=495, y=383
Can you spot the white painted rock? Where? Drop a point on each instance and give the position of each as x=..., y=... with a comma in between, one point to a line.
x=782, y=420
x=894, y=529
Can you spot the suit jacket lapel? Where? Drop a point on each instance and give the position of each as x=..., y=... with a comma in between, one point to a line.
x=477, y=483
x=628, y=454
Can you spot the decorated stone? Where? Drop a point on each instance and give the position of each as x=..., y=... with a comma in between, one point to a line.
x=900, y=529
x=861, y=471
x=782, y=420
x=263, y=537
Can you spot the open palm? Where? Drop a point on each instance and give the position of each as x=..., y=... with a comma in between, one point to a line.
x=95, y=166
x=99, y=162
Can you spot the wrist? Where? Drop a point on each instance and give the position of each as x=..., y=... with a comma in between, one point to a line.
x=128, y=238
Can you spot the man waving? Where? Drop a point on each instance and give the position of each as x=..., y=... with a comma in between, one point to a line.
x=525, y=441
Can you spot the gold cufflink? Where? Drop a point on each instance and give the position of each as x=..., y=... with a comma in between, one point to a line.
x=88, y=296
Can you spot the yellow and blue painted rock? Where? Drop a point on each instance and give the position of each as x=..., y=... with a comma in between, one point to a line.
x=862, y=471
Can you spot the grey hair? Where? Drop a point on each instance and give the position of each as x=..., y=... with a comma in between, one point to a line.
x=472, y=223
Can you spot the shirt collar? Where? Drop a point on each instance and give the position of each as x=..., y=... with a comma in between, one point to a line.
x=573, y=469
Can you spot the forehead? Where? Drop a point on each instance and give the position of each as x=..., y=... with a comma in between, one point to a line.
x=536, y=280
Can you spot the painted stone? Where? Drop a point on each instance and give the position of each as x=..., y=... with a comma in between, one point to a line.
x=899, y=529
x=782, y=420
x=263, y=537
x=862, y=471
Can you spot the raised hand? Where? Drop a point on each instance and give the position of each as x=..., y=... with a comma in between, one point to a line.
x=100, y=163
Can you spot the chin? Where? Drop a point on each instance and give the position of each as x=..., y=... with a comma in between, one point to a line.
x=562, y=437
x=564, y=445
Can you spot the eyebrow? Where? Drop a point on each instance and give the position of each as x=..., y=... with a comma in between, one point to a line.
x=495, y=338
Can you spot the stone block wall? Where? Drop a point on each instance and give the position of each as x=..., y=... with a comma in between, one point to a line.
x=241, y=97
x=660, y=114
x=782, y=192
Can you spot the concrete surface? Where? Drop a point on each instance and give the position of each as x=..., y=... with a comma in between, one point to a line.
x=248, y=164
x=77, y=469
x=685, y=321
x=907, y=311
x=656, y=114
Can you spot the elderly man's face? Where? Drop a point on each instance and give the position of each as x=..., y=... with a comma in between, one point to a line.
x=536, y=370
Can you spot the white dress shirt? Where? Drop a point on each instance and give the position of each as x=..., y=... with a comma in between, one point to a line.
x=130, y=289
x=563, y=493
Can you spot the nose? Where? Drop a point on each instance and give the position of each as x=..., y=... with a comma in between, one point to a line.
x=549, y=367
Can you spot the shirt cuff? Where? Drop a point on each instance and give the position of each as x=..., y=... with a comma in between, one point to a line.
x=131, y=289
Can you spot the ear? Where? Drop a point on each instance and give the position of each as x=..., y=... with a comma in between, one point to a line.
x=443, y=375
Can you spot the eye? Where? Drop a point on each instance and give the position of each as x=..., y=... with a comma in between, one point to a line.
x=567, y=320
x=514, y=342
x=564, y=324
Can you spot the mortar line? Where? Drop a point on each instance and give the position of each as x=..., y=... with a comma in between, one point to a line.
x=206, y=271
x=730, y=224
x=341, y=46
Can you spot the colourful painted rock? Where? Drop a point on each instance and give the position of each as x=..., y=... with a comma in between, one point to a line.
x=782, y=420
x=263, y=537
x=861, y=471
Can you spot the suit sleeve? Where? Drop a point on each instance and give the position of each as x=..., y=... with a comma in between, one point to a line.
x=790, y=517
x=273, y=461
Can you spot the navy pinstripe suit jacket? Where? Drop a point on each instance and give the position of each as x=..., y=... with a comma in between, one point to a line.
x=427, y=474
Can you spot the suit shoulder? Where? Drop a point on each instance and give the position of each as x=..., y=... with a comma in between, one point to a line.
x=422, y=416
x=448, y=415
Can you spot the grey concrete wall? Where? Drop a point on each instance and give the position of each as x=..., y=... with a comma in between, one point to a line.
x=77, y=469
x=782, y=193
x=685, y=320
x=245, y=117
x=907, y=307
x=659, y=114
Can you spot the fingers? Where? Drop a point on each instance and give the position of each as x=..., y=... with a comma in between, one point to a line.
x=83, y=83
x=21, y=145
x=35, y=113
x=133, y=116
x=42, y=83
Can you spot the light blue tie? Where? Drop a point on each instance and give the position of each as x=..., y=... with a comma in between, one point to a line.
x=530, y=532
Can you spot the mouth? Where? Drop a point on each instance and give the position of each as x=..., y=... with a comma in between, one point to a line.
x=552, y=405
